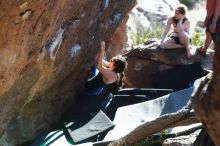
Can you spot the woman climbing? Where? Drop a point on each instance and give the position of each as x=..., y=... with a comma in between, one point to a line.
x=108, y=72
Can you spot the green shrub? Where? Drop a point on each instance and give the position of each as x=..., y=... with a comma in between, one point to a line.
x=197, y=39
x=140, y=38
x=164, y=133
x=147, y=142
x=188, y=3
x=154, y=139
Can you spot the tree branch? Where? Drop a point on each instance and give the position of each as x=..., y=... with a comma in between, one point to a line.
x=185, y=116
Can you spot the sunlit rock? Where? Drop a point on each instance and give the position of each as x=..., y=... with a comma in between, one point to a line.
x=46, y=51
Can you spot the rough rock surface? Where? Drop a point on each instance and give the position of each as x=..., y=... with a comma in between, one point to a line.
x=145, y=60
x=118, y=41
x=46, y=50
x=187, y=140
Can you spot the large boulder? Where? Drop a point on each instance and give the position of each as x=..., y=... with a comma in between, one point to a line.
x=145, y=61
x=46, y=50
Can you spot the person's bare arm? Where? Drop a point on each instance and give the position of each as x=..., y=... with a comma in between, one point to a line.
x=166, y=30
x=216, y=16
x=108, y=75
x=105, y=63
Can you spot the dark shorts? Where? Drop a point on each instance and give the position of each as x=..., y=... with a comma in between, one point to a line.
x=214, y=35
x=176, y=39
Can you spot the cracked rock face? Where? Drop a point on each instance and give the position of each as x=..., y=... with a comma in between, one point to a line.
x=46, y=50
x=144, y=61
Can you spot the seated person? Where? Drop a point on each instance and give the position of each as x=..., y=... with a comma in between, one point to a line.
x=108, y=72
x=180, y=36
